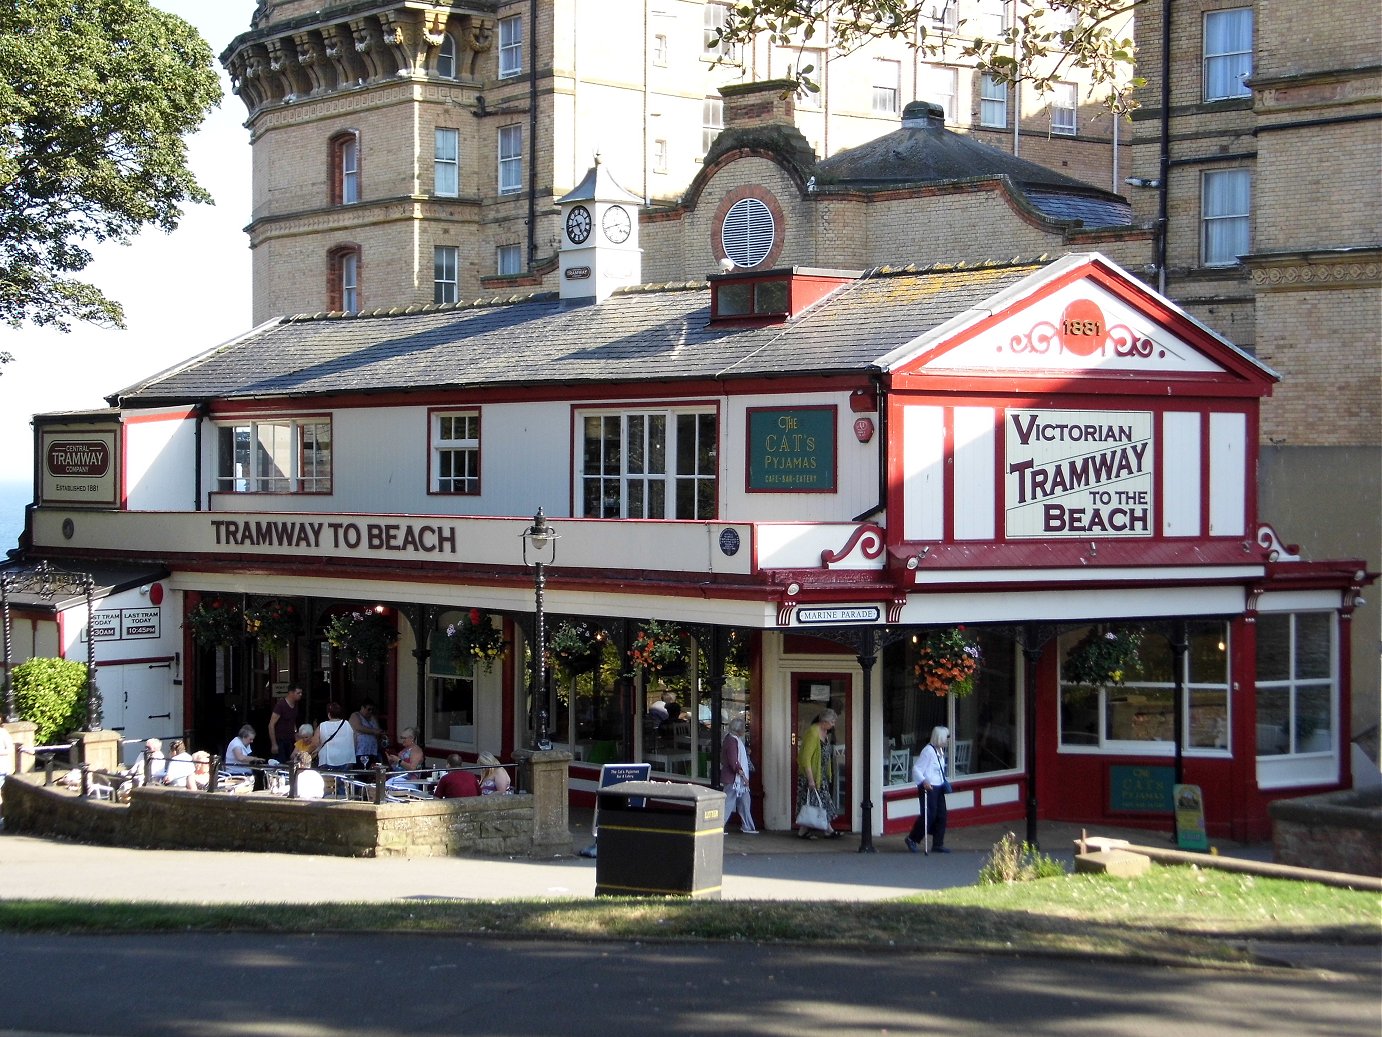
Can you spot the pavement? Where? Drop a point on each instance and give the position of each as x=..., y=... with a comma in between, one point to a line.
x=768, y=866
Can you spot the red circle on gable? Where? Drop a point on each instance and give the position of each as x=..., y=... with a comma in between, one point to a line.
x=1082, y=327
x=156, y=594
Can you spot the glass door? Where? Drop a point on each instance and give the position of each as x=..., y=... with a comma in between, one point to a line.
x=814, y=693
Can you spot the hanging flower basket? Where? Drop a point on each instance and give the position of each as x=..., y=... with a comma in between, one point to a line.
x=657, y=646
x=575, y=648
x=1103, y=656
x=364, y=636
x=273, y=624
x=947, y=662
x=216, y=622
x=473, y=639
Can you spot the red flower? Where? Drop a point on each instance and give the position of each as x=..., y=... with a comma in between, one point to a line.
x=475, y=616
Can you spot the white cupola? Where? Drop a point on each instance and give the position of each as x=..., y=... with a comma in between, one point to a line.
x=599, y=237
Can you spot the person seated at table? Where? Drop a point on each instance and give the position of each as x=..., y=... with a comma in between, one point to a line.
x=457, y=784
x=153, y=750
x=201, y=770
x=675, y=710
x=181, y=768
x=304, y=748
x=410, y=756
x=494, y=779
x=240, y=761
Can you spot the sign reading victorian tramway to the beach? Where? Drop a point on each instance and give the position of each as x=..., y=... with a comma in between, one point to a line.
x=1079, y=473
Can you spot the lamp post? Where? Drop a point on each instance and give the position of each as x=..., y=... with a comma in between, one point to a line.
x=543, y=541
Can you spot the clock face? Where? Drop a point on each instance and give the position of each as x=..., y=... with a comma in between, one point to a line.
x=578, y=224
x=617, y=224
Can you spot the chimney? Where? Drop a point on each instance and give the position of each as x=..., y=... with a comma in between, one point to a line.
x=769, y=103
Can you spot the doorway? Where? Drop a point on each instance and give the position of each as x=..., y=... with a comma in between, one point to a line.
x=812, y=693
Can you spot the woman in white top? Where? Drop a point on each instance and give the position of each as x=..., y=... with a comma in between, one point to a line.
x=238, y=756
x=735, y=769
x=335, y=740
x=180, y=766
x=929, y=774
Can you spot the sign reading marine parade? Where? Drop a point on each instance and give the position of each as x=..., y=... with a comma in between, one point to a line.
x=79, y=467
x=1078, y=474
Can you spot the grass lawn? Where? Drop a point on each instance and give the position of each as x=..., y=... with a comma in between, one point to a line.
x=1175, y=913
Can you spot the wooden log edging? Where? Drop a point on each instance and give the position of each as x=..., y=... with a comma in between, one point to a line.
x=1265, y=869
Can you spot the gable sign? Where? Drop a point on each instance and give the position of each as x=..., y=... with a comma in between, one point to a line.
x=1078, y=328
x=79, y=466
x=1077, y=473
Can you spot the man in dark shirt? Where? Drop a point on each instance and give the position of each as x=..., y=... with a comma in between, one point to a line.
x=457, y=784
x=283, y=725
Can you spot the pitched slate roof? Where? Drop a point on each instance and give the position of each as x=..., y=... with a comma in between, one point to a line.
x=643, y=334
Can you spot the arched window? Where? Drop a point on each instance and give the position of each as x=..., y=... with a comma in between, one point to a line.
x=446, y=57
x=343, y=279
x=345, y=168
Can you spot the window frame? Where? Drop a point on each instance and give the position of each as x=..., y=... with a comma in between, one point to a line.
x=1294, y=683
x=711, y=108
x=987, y=102
x=343, y=279
x=1209, y=222
x=446, y=162
x=659, y=155
x=887, y=86
x=714, y=16
x=446, y=63
x=1212, y=62
x=467, y=447
x=949, y=101
x=443, y=286
x=510, y=46
x=505, y=252
x=650, y=482
x=345, y=168
x=296, y=429
x=510, y=159
x=1065, y=116
x=661, y=49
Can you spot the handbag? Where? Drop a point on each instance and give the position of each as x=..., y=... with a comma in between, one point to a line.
x=946, y=787
x=812, y=813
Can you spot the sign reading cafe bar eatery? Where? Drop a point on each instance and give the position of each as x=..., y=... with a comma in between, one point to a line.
x=792, y=450
x=1076, y=473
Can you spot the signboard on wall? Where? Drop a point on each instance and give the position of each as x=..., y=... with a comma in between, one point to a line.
x=791, y=450
x=1140, y=790
x=79, y=466
x=126, y=624
x=1080, y=474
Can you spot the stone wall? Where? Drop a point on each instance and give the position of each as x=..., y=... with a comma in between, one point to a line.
x=1337, y=831
x=164, y=818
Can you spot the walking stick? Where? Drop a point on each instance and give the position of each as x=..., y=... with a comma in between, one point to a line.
x=925, y=823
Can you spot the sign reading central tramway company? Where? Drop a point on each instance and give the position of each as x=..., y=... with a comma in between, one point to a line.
x=1078, y=474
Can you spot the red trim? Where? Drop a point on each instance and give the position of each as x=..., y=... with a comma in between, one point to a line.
x=142, y=417
x=131, y=662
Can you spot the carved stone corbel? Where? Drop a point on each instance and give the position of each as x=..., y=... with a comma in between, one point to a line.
x=369, y=47
x=479, y=39
x=312, y=61
x=403, y=34
x=338, y=44
x=283, y=63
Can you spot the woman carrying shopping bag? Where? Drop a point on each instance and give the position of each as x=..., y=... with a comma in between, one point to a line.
x=815, y=809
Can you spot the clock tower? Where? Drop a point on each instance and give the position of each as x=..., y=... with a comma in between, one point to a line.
x=599, y=237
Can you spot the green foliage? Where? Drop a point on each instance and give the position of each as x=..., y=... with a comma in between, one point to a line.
x=1103, y=656
x=273, y=623
x=96, y=97
x=1049, y=38
x=51, y=694
x=473, y=639
x=215, y=622
x=1011, y=861
x=365, y=636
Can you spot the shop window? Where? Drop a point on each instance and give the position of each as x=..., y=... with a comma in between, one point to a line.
x=450, y=692
x=658, y=464
x=446, y=162
x=1296, y=692
x=1226, y=209
x=345, y=168
x=281, y=455
x=510, y=159
x=984, y=729
x=510, y=47
x=445, y=286
x=1227, y=53
x=1139, y=714
x=455, y=452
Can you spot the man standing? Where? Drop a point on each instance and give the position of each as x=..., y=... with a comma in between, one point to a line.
x=283, y=725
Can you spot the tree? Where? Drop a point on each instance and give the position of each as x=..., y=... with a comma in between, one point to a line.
x=1048, y=35
x=96, y=97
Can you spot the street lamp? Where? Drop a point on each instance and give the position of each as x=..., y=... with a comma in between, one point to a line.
x=543, y=541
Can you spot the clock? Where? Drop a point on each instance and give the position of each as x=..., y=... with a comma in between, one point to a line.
x=578, y=224
x=616, y=224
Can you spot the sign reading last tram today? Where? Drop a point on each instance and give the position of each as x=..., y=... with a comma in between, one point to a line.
x=1079, y=473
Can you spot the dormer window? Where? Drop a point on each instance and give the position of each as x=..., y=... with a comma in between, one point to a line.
x=771, y=295
x=752, y=299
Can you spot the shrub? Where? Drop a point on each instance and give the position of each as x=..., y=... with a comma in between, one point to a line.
x=1011, y=861
x=51, y=694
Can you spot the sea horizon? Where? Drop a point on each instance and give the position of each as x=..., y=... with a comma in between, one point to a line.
x=14, y=495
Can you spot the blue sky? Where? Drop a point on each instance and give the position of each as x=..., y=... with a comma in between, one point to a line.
x=183, y=292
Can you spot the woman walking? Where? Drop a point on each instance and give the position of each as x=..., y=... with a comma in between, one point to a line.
x=812, y=769
x=735, y=769
x=929, y=774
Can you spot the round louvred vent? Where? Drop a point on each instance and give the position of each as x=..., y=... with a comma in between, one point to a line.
x=747, y=233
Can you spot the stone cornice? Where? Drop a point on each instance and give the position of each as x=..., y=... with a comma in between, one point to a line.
x=1324, y=268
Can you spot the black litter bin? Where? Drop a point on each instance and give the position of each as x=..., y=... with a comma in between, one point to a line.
x=660, y=839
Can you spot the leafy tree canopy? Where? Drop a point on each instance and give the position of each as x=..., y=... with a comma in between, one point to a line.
x=1045, y=38
x=96, y=97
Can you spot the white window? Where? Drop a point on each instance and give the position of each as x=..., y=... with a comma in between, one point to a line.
x=446, y=57
x=943, y=88
x=345, y=159
x=446, y=170
x=1139, y=714
x=660, y=50
x=510, y=159
x=456, y=452
x=996, y=20
x=712, y=121
x=1227, y=53
x=1064, y=105
x=510, y=46
x=716, y=16
x=281, y=455
x=350, y=281
x=655, y=464
x=811, y=58
x=508, y=260
x=1295, y=683
x=943, y=14
x=1226, y=206
x=887, y=79
x=445, y=260
x=993, y=101
x=748, y=232
x=659, y=156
